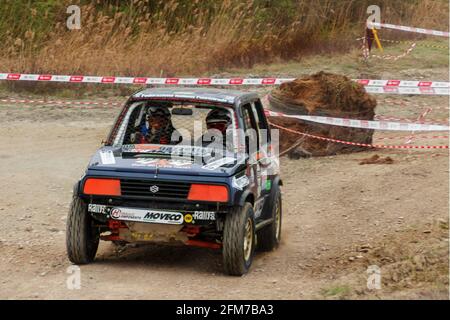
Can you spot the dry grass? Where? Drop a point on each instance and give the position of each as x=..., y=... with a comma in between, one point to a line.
x=148, y=37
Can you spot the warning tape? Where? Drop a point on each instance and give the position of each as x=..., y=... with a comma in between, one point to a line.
x=403, y=83
x=408, y=29
x=379, y=146
x=203, y=81
x=50, y=102
x=416, y=137
x=404, y=104
x=363, y=124
x=395, y=58
x=142, y=80
x=410, y=90
x=429, y=121
x=417, y=44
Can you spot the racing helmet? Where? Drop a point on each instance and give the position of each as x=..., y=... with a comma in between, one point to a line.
x=218, y=116
x=160, y=109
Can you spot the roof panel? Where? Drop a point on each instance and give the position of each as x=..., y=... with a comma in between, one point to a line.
x=217, y=95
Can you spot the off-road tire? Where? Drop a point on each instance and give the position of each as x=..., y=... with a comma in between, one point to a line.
x=268, y=239
x=234, y=258
x=81, y=237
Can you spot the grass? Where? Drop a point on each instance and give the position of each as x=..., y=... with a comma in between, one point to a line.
x=352, y=64
x=337, y=291
x=156, y=37
x=418, y=65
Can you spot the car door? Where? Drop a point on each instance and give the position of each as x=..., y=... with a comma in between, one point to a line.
x=253, y=141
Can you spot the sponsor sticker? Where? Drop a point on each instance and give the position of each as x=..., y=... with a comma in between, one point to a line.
x=150, y=216
x=219, y=163
x=107, y=157
x=188, y=218
x=97, y=208
x=162, y=163
x=204, y=215
x=240, y=183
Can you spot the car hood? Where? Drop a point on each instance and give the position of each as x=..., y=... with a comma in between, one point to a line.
x=118, y=159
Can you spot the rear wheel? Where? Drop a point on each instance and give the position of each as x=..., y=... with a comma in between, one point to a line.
x=82, y=237
x=239, y=240
x=269, y=237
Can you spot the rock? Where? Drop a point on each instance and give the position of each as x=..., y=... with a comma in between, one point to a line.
x=443, y=224
x=351, y=258
x=427, y=231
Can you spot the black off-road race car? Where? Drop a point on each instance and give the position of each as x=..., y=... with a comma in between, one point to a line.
x=163, y=177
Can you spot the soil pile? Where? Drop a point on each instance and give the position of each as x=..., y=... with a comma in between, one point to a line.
x=376, y=159
x=321, y=94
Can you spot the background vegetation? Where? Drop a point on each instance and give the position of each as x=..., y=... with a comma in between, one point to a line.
x=157, y=37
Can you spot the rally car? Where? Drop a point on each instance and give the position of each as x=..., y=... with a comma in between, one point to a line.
x=163, y=177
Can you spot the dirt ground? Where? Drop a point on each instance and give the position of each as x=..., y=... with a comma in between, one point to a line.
x=339, y=218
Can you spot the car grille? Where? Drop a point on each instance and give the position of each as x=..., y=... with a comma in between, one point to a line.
x=154, y=189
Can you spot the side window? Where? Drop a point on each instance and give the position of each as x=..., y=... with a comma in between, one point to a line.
x=248, y=121
x=261, y=124
x=251, y=129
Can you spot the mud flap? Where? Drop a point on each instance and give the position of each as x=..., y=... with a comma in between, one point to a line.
x=268, y=204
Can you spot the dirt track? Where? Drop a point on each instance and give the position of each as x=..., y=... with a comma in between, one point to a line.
x=332, y=206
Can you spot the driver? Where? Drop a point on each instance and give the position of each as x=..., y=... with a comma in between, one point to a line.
x=217, y=119
x=157, y=128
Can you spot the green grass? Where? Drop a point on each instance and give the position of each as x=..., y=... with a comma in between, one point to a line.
x=337, y=291
x=352, y=64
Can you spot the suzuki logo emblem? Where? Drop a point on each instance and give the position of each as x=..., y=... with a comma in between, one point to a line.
x=154, y=189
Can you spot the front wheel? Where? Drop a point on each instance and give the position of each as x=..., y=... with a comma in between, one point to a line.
x=239, y=240
x=82, y=237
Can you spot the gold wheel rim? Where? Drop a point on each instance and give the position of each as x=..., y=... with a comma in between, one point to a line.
x=248, y=239
x=278, y=221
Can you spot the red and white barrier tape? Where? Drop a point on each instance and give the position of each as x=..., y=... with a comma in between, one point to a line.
x=429, y=121
x=363, y=124
x=404, y=104
x=52, y=102
x=379, y=146
x=420, y=119
x=204, y=81
x=142, y=80
x=408, y=29
x=410, y=90
x=425, y=45
x=403, y=83
x=394, y=58
x=416, y=137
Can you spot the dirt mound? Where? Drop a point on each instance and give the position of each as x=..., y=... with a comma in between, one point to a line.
x=376, y=159
x=321, y=94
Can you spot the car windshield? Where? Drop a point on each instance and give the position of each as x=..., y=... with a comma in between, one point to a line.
x=162, y=127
